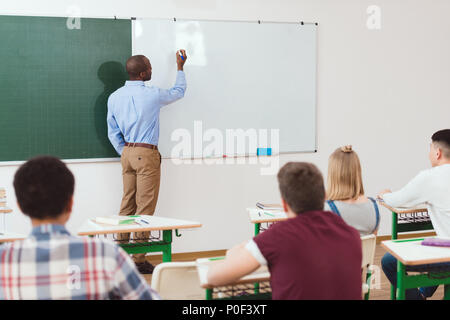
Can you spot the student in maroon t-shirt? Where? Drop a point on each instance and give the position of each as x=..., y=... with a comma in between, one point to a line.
x=312, y=255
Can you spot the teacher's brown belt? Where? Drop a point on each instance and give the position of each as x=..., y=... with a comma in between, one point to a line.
x=143, y=145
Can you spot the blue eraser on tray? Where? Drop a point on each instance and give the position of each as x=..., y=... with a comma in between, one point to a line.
x=264, y=151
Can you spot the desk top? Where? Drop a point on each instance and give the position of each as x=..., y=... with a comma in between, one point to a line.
x=10, y=237
x=416, y=209
x=263, y=216
x=259, y=275
x=410, y=252
x=90, y=227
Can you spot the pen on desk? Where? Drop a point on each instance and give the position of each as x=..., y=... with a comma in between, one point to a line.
x=141, y=220
x=269, y=214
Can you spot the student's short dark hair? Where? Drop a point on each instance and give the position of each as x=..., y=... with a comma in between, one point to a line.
x=301, y=186
x=44, y=186
x=442, y=138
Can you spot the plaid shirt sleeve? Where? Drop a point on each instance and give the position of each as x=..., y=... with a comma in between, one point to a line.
x=129, y=283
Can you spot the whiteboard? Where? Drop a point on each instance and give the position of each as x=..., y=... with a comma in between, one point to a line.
x=256, y=76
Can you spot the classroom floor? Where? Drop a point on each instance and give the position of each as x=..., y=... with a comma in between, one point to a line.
x=383, y=293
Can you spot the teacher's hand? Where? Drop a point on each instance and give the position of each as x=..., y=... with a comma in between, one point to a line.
x=181, y=60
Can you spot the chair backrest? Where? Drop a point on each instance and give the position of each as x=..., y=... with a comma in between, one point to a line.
x=368, y=244
x=177, y=281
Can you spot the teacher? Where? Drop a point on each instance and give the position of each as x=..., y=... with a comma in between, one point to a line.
x=133, y=129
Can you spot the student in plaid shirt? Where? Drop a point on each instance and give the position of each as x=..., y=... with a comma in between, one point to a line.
x=53, y=264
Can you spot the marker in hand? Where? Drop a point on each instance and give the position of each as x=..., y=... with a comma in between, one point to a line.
x=181, y=55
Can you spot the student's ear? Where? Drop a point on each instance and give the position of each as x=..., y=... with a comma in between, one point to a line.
x=438, y=153
x=285, y=206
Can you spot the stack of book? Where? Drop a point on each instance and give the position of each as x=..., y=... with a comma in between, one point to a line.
x=269, y=206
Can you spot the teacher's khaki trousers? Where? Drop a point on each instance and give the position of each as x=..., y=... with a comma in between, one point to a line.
x=141, y=171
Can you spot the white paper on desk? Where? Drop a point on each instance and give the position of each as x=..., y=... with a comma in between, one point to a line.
x=94, y=224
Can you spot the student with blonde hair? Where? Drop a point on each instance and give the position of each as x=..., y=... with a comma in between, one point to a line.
x=345, y=192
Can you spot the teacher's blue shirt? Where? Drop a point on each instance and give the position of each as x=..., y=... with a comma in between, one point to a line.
x=133, y=111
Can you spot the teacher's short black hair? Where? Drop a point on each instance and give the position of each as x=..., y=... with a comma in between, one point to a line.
x=442, y=138
x=44, y=186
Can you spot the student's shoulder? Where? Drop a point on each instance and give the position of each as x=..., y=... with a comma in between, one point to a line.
x=434, y=171
x=103, y=246
x=284, y=229
x=439, y=170
x=426, y=175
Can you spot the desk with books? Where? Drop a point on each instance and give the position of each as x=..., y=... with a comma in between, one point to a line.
x=4, y=210
x=11, y=237
x=151, y=244
x=243, y=289
x=260, y=217
x=406, y=220
x=264, y=215
x=411, y=252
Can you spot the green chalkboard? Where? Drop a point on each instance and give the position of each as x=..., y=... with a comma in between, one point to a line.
x=54, y=85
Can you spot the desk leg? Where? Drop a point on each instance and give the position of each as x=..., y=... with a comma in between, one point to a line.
x=447, y=292
x=167, y=250
x=394, y=237
x=394, y=226
x=400, y=281
x=256, y=288
x=257, y=230
x=368, y=281
x=209, y=294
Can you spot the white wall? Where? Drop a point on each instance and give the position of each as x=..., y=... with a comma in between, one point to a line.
x=385, y=92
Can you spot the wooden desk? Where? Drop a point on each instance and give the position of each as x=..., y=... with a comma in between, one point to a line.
x=243, y=285
x=10, y=237
x=166, y=225
x=411, y=253
x=5, y=210
x=259, y=216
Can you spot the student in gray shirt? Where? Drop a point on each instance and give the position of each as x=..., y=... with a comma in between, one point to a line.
x=345, y=192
